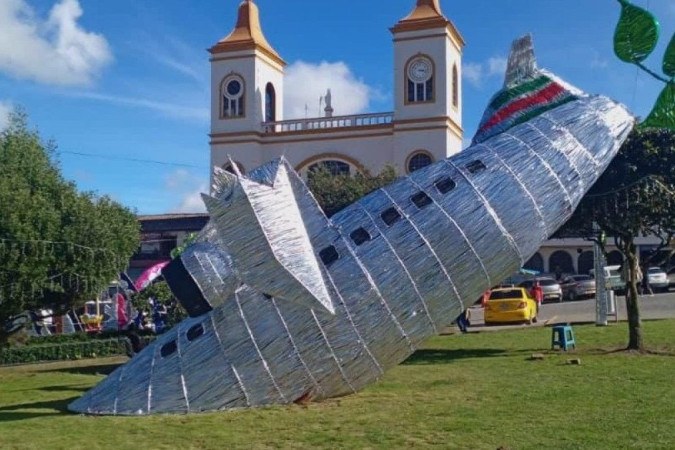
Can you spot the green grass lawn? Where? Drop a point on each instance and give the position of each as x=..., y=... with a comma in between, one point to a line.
x=478, y=390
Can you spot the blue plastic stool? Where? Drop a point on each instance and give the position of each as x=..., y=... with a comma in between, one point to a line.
x=563, y=337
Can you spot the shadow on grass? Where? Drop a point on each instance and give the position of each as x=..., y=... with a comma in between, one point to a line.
x=444, y=356
x=45, y=408
x=64, y=388
x=105, y=369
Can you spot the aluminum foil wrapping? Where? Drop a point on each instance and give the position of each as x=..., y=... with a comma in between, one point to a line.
x=297, y=306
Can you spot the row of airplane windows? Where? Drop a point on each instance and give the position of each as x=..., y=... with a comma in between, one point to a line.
x=391, y=215
x=359, y=236
x=193, y=333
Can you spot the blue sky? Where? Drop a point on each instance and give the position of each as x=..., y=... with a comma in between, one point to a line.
x=122, y=86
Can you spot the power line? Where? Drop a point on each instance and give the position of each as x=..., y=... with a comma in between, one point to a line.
x=137, y=160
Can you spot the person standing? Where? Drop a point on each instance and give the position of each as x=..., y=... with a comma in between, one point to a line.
x=462, y=322
x=537, y=294
x=485, y=298
x=646, y=287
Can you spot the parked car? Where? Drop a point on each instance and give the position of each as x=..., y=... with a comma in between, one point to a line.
x=577, y=286
x=658, y=279
x=508, y=305
x=550, y=288
x=671, y=278
x=613, y=278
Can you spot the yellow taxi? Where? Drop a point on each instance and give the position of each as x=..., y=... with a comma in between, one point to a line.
x=510, y=304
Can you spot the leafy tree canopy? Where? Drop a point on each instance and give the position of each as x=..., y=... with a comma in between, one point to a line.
x=334, y=192
x=634, y=197
x=58, y=247
x=636, y=194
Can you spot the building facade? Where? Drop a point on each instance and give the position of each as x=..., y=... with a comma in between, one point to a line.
x=247, y=91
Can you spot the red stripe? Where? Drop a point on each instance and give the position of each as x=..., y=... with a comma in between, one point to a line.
x=543, y=96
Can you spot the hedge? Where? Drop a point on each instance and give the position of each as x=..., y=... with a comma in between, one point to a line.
x=70, y=350
x=80, y=337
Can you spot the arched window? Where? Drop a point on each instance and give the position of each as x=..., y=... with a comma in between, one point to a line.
x=418, y=160
x=455, y=86
x=419, y=80
x=333, y=166
x=585, y=262
x=561, y=262
x=270, y=103
x=232, y=94
x=535, y=263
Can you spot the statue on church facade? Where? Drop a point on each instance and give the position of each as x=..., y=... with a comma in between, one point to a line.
x=329, y=106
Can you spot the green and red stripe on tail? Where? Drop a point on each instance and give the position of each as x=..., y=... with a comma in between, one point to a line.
x=521, y=103
x=527, y=93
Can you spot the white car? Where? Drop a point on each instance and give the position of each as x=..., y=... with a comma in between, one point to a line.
x=658, y=279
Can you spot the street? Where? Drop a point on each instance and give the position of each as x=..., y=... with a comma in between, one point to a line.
x=658, y=306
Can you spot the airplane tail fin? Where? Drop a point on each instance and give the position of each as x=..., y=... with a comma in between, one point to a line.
x=528, y=92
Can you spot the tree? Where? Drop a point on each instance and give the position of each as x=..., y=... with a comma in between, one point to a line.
x=635, y=196
x=159, y=291
x=334, y=192
x=58, y=247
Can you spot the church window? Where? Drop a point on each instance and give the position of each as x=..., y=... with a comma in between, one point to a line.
x=232, y=91
x=455, y=86
x=418, y=160
x=420, y=80
x=270, y=103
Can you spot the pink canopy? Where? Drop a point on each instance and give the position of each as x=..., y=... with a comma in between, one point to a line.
x=148, y=275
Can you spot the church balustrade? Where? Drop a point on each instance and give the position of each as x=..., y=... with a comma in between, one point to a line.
x=325, y=123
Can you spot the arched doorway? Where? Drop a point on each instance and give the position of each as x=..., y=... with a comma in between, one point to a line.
x=560, y=262
x=615, y=258
x=535, y=263
x=585, y=262
x=333, y=166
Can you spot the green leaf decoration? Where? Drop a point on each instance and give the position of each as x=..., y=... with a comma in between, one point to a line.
x=669, y=58
x=636, y=33
x=663, y=114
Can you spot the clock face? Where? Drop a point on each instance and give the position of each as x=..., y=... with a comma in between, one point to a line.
x=419, y=70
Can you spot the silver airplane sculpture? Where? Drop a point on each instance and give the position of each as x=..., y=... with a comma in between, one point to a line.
x=287, y=305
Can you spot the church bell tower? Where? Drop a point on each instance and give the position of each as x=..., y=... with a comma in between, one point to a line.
x=247, y=77
x=427, y=80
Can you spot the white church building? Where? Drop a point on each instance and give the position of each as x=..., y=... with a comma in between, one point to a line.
x=247, y=94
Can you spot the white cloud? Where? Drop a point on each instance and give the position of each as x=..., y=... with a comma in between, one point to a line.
x=306, y=82
x=198, y=113
x=56, y=50
x=496, y=66
x=187, y=187
x=473, y=73
x=477, y=73
x=192, y=201
x=5, y=109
